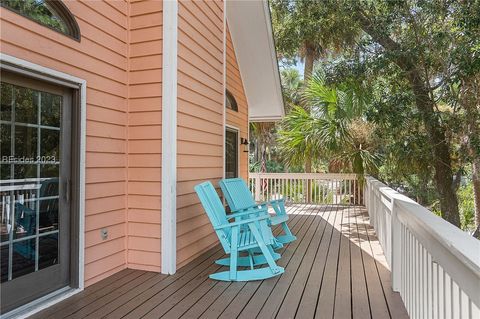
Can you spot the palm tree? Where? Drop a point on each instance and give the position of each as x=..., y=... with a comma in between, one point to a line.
x=298, y=139
x=262, y=136
x=292, y=85
x=329, y=128
x=325, y=130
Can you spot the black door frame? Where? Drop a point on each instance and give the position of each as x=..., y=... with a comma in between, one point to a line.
x=232, y=129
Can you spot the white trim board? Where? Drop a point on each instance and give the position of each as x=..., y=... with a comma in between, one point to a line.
x=39, y=72
x=169, y=138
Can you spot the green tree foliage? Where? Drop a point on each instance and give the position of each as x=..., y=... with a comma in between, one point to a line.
x=429, y=50
x=417, y=64
x=38, y=10
x=305, y=29
x=467, y=207
x=292, y=87
x=330, y=128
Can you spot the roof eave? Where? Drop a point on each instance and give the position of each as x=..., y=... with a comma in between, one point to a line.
x=251, y=31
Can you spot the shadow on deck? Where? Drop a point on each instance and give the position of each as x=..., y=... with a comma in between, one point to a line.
x=336, y=268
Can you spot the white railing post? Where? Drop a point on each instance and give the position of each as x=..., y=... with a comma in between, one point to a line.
x=396, y=248
x=370, y=195
x=257, y=187
x=434, y=265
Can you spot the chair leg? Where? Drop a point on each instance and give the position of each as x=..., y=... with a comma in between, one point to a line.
x=268, y=256
x=250, y=258
x=234, y=254
x=288, y=237
x=279, y=208
x=252, y=274
x=275, y=256
x=277, y=244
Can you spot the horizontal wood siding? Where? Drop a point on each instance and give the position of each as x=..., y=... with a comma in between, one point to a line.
x=237, y=119
x=144, y=135
x=101, y=59
x=200, y=119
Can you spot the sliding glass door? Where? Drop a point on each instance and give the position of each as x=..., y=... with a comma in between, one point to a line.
x=35, y=146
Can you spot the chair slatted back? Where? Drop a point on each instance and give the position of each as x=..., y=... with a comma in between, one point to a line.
x=215, y=211
x=236, y=193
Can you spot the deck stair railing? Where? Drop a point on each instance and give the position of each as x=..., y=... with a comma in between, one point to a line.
x=308, y=188
x=435, y=266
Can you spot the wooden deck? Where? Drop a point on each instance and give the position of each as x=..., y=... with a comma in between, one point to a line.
x=336, y=268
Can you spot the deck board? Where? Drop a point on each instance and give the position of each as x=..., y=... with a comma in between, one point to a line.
x=309, y=299
x=378, y=304
x=343, y=285
x=335, y=268
x=326, y=299
x=360, y=302
x=297, y=288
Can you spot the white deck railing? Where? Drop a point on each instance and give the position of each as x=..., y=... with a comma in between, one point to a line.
x=22, y=191
x=435, y=265
x=308, y=188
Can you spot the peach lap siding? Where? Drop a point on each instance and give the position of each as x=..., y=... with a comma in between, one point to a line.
x=237, y=119
x=101, y=59
x=144, y=135
x=200, y=119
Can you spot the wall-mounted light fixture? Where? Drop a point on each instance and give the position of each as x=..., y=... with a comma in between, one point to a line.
x=244, y=142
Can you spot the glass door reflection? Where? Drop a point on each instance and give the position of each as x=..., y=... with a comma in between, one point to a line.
x=30, y=123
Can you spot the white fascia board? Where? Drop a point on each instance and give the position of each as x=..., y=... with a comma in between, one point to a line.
x=250, y=27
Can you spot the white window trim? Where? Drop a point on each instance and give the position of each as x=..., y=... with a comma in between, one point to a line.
x=169, y=138
x=39, y=72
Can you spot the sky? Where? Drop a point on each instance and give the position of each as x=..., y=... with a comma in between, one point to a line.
x=299, y=66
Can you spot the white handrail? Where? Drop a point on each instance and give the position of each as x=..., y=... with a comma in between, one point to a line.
x=342, y=176
x=318, y=188
x=435, y=265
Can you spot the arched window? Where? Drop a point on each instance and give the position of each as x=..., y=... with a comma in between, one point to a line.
x=50, y=13
x=230, y=102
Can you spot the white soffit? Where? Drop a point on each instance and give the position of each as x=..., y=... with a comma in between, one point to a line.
x=251, y=30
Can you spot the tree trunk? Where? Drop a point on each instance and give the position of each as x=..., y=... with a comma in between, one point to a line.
x=263, y=164
x=443, y=176
x=308, y=164
x=422, y=197
x=470, y=99
x=309, y=61
x=476, y=190
x=308, y=169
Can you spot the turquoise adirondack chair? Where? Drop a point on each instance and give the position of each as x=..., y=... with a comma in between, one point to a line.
x=249, y=235
x=239, y=199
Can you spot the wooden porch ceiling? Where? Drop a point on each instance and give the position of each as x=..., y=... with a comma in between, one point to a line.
x=336, y=268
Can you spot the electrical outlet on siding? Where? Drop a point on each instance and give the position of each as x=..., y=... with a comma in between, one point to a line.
x=104, y=233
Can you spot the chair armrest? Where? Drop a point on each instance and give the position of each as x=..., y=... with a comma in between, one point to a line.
x=248, y=212
x=254, y=206
x=276, y=201
x=241, y=222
